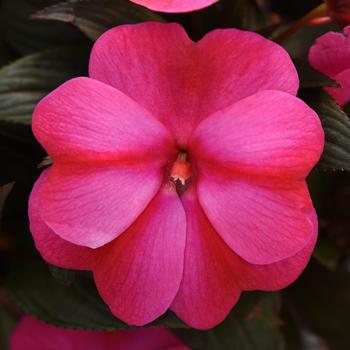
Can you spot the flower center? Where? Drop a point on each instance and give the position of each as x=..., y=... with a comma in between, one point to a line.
x=180, y=172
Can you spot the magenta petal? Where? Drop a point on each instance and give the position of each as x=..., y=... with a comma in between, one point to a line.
x=331, y=56
x=85, y=121
x=252, y=159
x=32, y=334
x=277, y=275
x=138, y=275
x=54, y=249
x=150, y=62
x=147, y=338
x=108, y=155
x=262, y=220
x=342, y=94
x=158, y=65
x=233, y=70
x=209, y=288
x=92, y=205
x=175, y=5
x=270, y=133
x=214, y=274
x=331, y=53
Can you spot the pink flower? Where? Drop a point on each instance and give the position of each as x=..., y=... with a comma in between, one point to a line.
x=175, y=5
x=331, y=56
x=178, y=172
x=31, y=334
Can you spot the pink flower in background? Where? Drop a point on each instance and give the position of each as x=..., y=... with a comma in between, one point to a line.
x=178, y=172
x=331, y=56
x=175, y=5
x=32, y=334
x=339, y=10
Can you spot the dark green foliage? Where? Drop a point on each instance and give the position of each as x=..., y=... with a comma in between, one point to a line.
x=322, y=299
x=93, y=17
x=43, y=43
x=310, y=78
x=25, y=35
x=7, y=322
x=253, y=324
x=25, y=81
x=76, y=304
x=336, y=125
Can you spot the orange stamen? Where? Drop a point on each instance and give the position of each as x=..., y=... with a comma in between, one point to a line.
x=181, y=169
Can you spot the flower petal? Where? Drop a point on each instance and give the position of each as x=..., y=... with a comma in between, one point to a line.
x=92, y=205
x=261, y=219
x=147, y=338
x=209, y=289
x=138, y=275
x=182, y=82
x=270, y=133
x=278, y=275
x=85, y=120
x=151, y=63
x=214, y=274
x=331, y=53
x=175, y=5
x=32, y=334
x=54, y=249
x=342, y=94
x=104, y=146
x=229, y=61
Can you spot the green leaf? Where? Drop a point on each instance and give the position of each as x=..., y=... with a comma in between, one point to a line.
x=6, y=324
x=253, y=324
x=25, y=35
x=93, y=17
x=291, y=330
x=243, y=14
x=346, y=108
x=310, y=78
x=336, y=125
x=321, y=301
x=4, y=192
x=77, y=305
x=14, y=225
x=63, y=276
x=17, y=160
x=299, y=43
x=24, y=82
x=5, y=55
x=326, y=255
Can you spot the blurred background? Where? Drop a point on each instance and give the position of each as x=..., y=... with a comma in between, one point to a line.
x=46, y=42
